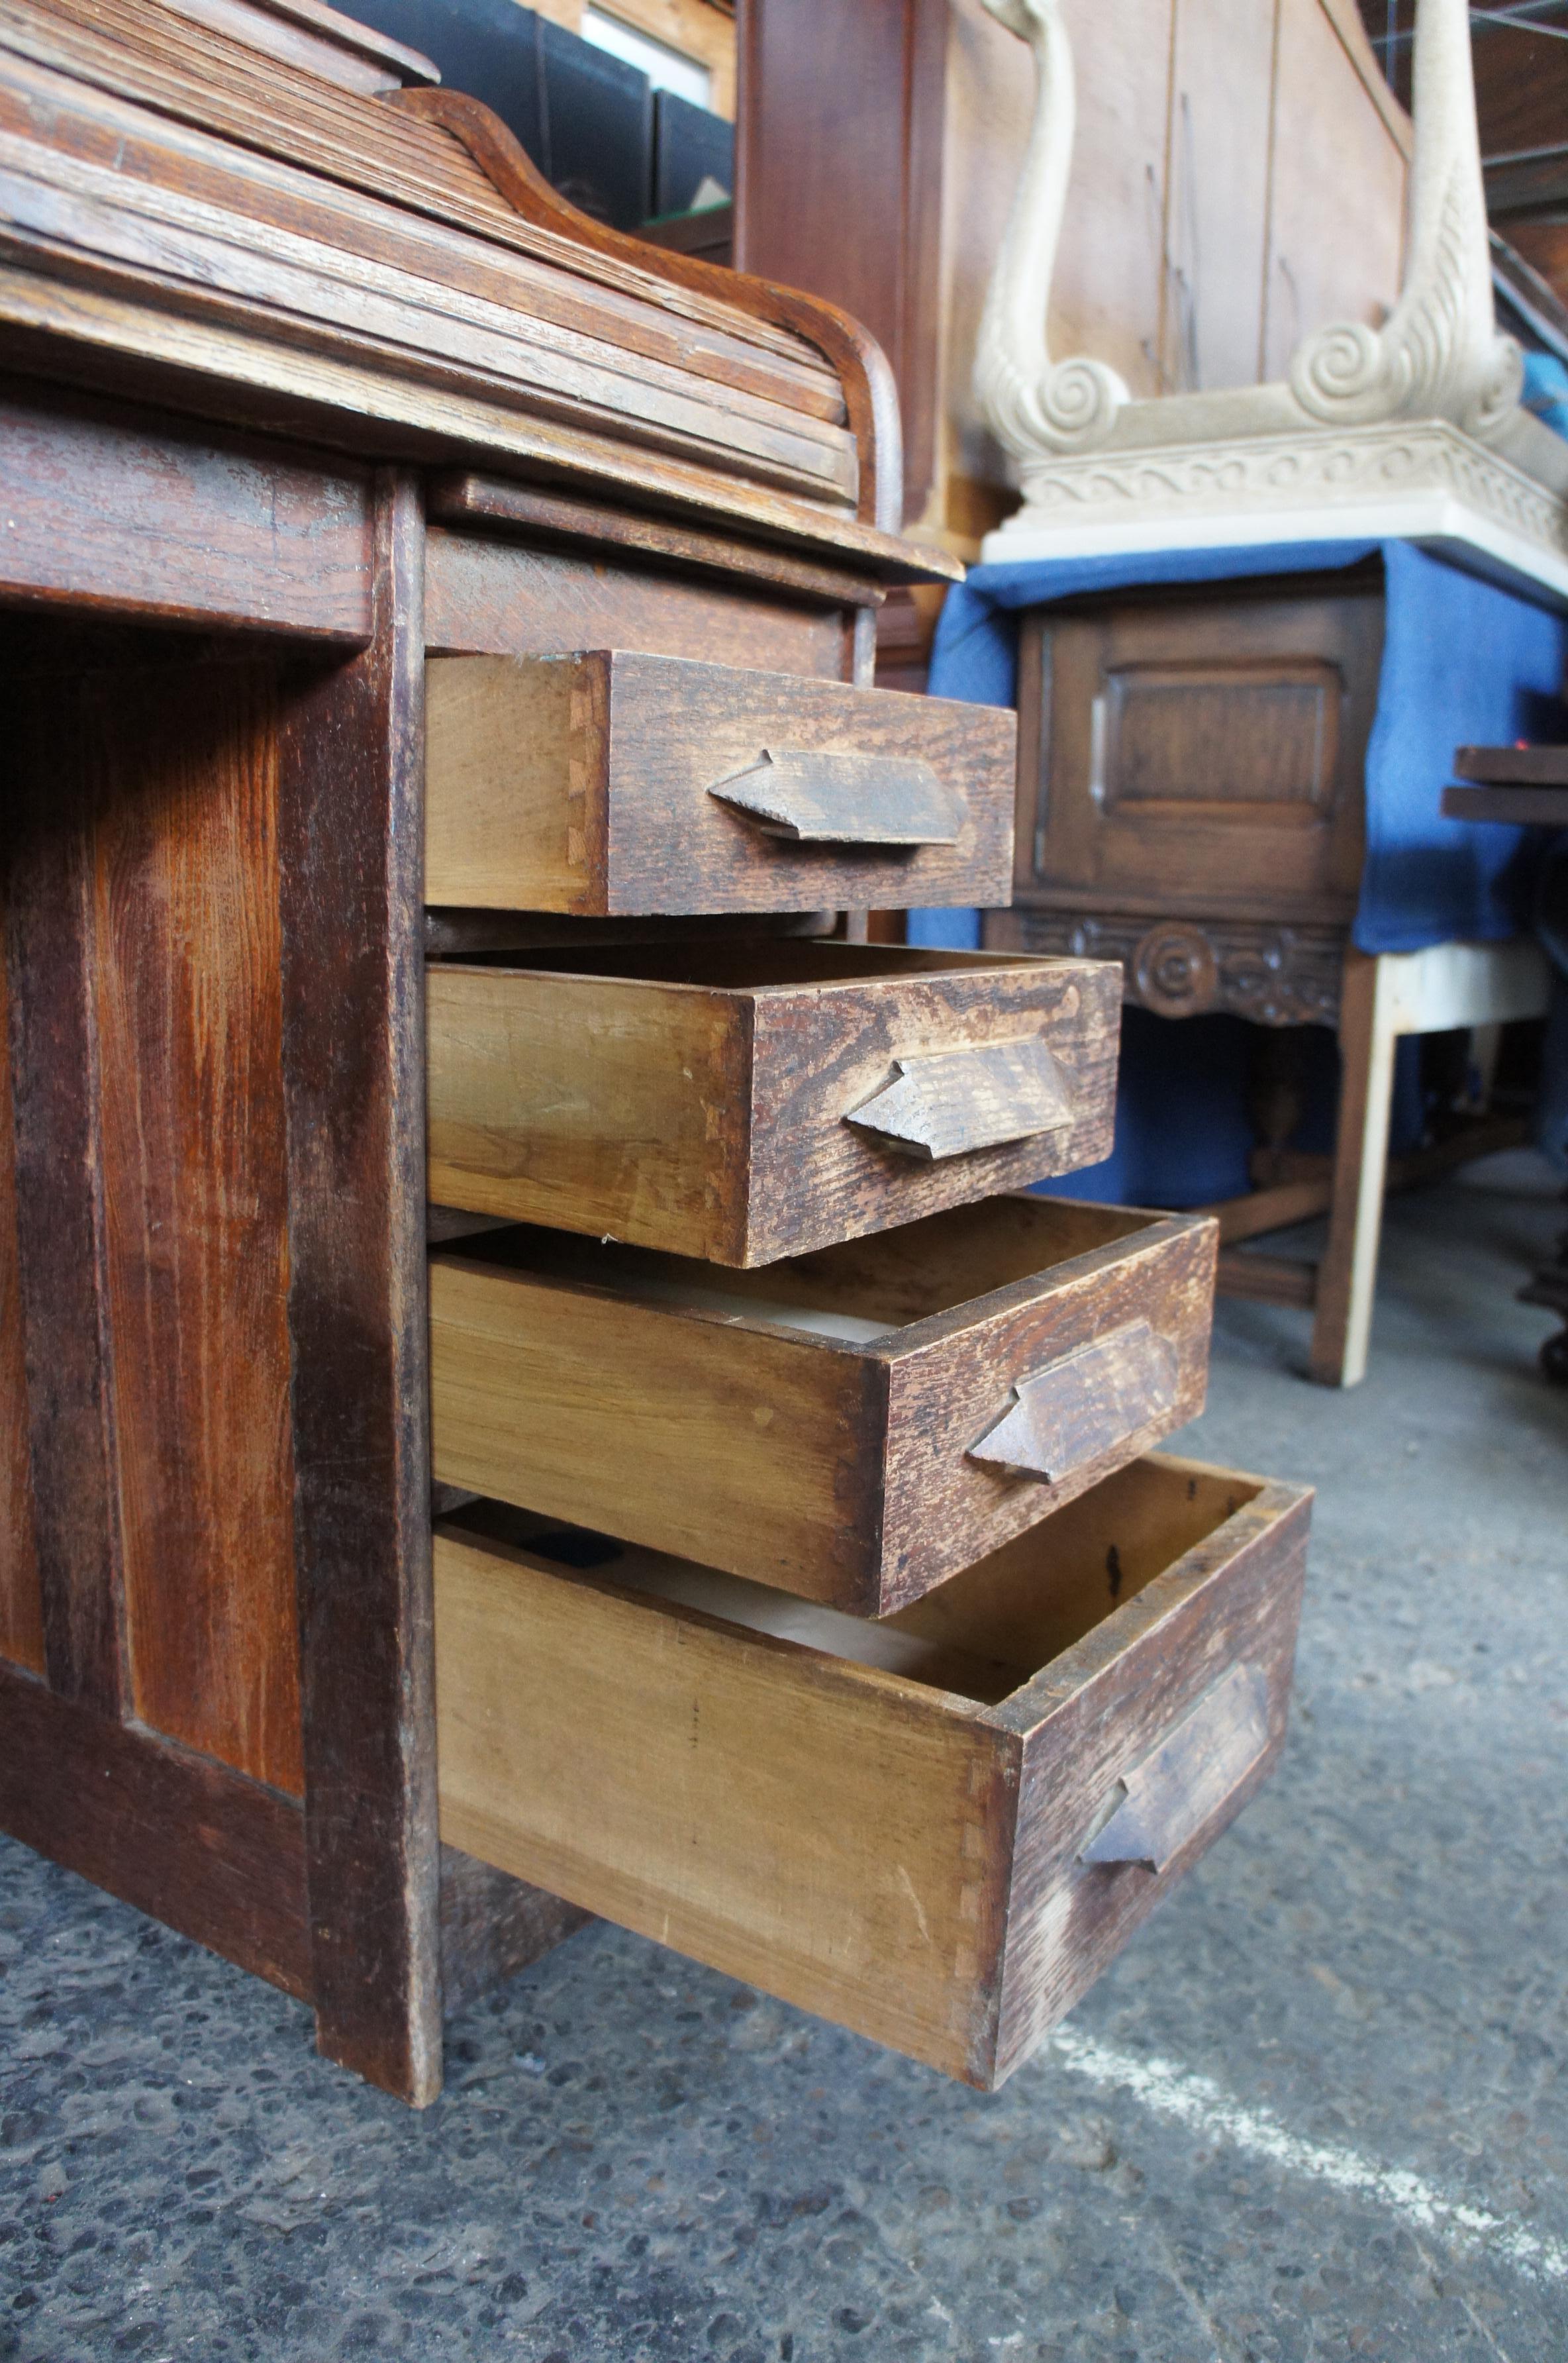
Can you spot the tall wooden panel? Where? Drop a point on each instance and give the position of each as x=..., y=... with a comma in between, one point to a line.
x=58, y=1195
x=1336, y=199
x=352, y=836
x=21, y=1607
x=188, y=1010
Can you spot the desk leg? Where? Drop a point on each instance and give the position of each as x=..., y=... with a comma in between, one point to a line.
x=1347, y=1277
x=352, y=862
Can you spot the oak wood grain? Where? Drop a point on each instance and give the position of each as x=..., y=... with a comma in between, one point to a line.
x=825, y=1812
x=349, y=836
x=21, y=1602
x=489, y=597
x=188, y=1023
x=810, y=1423
x=123, y=512
x=215, y=1856
x=491, y=505
x=59, y=1193
x=491, y=1926
x=621, y=802
x=710, y=1099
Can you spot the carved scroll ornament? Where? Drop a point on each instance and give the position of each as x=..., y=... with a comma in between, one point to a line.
x=1437, y=356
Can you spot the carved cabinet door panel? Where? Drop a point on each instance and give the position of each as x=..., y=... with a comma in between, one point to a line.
x=1201, y=756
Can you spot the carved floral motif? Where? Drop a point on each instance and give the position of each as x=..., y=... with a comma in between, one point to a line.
x=1186, y=968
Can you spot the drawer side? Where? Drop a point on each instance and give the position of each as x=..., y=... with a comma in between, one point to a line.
x=737, y=1447
x=591, y=1103
x=834, y=1838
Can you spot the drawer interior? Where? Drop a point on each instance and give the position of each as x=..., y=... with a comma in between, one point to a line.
x=983, y=1634
x=857, y=1291
x=756, y=964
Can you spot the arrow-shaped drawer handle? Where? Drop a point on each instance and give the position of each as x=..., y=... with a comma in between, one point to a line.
x=845, y=799
x=1161, y=1806
x=951, y=1101
x=1085, y=1404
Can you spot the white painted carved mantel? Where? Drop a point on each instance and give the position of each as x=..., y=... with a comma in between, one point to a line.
x=1412, y=429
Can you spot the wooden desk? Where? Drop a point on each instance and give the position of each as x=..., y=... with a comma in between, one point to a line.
x=324, y=422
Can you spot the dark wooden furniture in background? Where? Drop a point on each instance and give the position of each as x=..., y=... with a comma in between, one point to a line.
x=1191, y=802
x=1529, y=787
x=320, y=406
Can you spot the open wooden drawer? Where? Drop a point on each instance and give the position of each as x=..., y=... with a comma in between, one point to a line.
x=936, y=1830
x=745, y=1101
x=609, y=783
x=854, y=1424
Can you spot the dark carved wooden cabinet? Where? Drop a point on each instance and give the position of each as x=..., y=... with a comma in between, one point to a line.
x=1192, y=769
x=437, y=638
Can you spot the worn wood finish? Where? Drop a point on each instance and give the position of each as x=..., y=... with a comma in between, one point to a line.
x=944, y=1104
x=215, y=1856
x=491, y=1926
x=349, y=835
x=844, y=799
x=869, y=395
x=126, y=513
x=345, y=298
x=21, y=1602
x=489, y=597
x=729, y=1101
x=898, y=1848
x=188, y=1012
x=1538, y=766
x=1522, y=808
x=58, y=1195
x=491, y=505
x=812, y=1425
x=587, y=785
x=1200, y=755
x=839, y=170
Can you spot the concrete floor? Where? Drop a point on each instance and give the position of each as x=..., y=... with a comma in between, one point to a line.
x=1317, y=2110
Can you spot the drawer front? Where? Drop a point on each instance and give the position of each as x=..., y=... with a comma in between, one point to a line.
x=804, y=1426
x=608, y=783
x=810, y=1093
x=841, y=1825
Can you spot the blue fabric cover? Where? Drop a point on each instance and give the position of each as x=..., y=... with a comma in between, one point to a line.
x=1463, y=662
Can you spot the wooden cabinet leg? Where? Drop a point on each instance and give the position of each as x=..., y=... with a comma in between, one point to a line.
x=351, y=869
x=1347, y=1277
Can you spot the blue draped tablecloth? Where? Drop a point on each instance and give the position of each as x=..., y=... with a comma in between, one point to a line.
x=1465, y=661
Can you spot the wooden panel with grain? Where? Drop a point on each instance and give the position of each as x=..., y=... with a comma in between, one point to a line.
x=110, y=509
x=586, y=784
x=188, y=1014
x=215, y=1856
x=21, y=1601
x=1201, y=756
x=493, y=1927
x=812, y=1424
x=885, y=1824
x=349, y=835
x=491, y=505
x=738, y=1102
x=489, y=597
x=59, y=1199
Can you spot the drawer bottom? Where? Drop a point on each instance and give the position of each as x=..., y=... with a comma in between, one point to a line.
x=936, y=1829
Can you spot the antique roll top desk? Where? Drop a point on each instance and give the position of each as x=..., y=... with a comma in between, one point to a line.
x=528, y=1386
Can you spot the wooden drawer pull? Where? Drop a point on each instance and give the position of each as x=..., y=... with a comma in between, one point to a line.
x=845, y=799
x=1087, y=1404
x=1162, y=1806
x=958, y=1099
